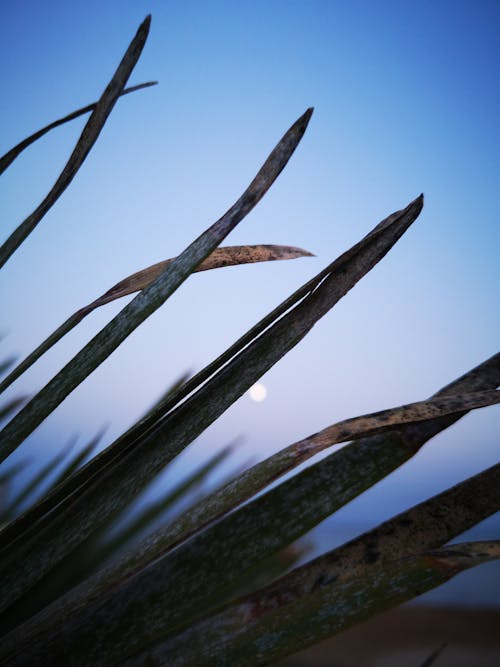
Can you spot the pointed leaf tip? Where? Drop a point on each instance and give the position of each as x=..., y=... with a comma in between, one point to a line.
x=306, y=116
x=417, y=203
x=143, y=29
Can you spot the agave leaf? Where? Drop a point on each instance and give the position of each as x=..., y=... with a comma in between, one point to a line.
x=64, y=489
x=257, y=477
x=145, y=425
x=87, y=139
x=102, y=550
x=9, y=157
x=49, y=342
x=244, y=634
x=71, y=570
x=125, y=470
x=220, y=257
x=428, y=525
x=476, y=496
x=157, y=408
x=212, y=562
x=260, y=475
x=60, y=488
x=150, y=298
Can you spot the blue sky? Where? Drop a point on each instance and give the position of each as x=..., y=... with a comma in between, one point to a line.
x=406, y=100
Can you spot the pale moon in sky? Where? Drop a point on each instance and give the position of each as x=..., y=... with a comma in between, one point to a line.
x=258, y=392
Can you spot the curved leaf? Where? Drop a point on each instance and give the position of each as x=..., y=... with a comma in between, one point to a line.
x=150, y=298
x=87, y=139
x=219, y=258
x=9, y=157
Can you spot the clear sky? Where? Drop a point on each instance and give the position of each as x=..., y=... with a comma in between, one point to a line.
x=406, y=100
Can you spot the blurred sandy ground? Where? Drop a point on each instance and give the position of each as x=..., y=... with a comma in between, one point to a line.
x=407, y=636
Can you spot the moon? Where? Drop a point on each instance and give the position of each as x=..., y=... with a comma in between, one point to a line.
x=258, y=392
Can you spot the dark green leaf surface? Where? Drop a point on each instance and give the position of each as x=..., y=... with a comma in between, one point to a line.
x=243, y=635
x=210, y=563
x=131, y=467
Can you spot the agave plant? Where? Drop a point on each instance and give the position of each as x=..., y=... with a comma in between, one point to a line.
x=210, y=586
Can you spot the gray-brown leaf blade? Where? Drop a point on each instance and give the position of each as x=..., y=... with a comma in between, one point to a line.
x=425, y=526
x=150, y=298
x=219, y=258
x=263, y=527
x=126, y=469
x=262, y=639
x=85, y=143
x=9, y=157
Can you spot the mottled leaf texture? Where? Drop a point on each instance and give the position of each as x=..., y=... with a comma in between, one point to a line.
x=150, y=298
x=243, y=635
x=426, y=526
x=124, y=470
x=219, y=258
x=207, y=587
x=211, y=562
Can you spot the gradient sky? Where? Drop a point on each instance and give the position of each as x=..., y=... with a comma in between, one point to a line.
x=406, y=100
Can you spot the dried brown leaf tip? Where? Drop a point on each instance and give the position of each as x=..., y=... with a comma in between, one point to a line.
x=458, y=557
x=219, y=258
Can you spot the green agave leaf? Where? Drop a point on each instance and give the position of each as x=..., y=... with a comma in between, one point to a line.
x=150, y=298
x=9, y=157
x=99, y=547
x=84, y=145
x=141, y=428
x=219, y=258
x=256, y=478
x=428, y=525
x=72, y=482
x=476, y=497
x=243, y=634
x=124, y=470
x=157, y=408
x=98, y=552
